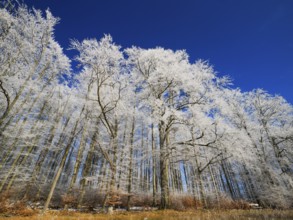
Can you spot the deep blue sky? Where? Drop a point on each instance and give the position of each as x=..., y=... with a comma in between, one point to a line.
x=249, y=40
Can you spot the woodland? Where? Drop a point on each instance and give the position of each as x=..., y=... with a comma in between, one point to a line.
x=131, y=126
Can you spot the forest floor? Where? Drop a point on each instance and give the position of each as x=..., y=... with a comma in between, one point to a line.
x=262, y=214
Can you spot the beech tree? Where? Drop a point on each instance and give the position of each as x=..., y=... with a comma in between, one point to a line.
x=244, y=114
x=102, y=61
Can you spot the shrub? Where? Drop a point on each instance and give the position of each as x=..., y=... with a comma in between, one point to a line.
x=69, y=200
x=142, y=200
x=8, y=207
x=183, y=202
x=176, y=204
x=225, y=202
x=92, y=199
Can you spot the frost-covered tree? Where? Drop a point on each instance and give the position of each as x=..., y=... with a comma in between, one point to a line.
x=135, y=123
x=31, y=60
x=251, y=114
x=102, y=71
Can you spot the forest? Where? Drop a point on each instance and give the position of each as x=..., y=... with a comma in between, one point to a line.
x=124, y=127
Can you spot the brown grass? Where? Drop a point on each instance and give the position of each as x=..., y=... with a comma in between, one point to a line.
x=142, y=200
x=16, y=209
x=181, y=203
x=227, y=203
x=12, y=208
x=184, y=207
x=165, y=215
x=69, y=200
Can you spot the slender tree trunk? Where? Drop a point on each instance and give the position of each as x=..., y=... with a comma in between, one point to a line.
x=44, y=152
x=230, y=188
x=78, y=159
x=163, y=167
x=201, y=184
x=86, y=170
x=154, y=167
x=61, y=166
x=130, y=169
x=19, y=157
x=216, y=188
x=122, y=156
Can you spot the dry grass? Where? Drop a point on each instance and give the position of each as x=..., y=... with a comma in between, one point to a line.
x=18, y=208
x=184, y=202
x=187, y=208
x=69, y=200
x=227, y=203
x=165, y=215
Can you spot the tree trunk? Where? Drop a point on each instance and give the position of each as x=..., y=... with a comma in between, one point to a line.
x=154, y=167
x=61, y=166
x=163, y=167
x=130, y=169
x=78, y=159
x=86, y=170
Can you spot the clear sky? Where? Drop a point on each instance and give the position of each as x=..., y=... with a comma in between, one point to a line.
x=249, y=40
